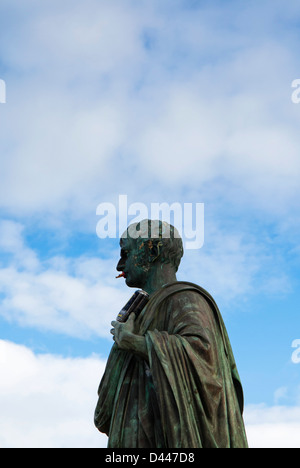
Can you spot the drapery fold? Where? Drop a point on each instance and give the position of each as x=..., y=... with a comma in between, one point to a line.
x=189, y=393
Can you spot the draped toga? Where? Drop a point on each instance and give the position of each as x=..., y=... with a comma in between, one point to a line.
x=188, y=394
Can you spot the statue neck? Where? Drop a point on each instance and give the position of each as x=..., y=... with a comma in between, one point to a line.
x=160, y=274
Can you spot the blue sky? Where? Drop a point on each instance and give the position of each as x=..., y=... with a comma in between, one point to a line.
x=163, y=101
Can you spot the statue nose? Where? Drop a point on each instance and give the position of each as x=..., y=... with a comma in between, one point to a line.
x=120, y=265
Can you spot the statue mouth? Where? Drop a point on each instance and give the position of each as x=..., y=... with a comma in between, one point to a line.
x=121, y=275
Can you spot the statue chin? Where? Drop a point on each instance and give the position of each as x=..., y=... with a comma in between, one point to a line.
x=131, y=283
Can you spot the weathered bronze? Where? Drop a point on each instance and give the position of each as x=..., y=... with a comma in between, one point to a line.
x=171, y=380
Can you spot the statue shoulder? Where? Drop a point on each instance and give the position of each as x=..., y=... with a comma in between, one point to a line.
x=181, y=289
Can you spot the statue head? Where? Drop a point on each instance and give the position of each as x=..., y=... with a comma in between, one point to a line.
x=149, y=249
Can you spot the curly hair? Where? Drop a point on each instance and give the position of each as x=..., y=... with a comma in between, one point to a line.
x=156, y=239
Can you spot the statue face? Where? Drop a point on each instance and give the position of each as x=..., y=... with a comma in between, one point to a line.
x=133, y=263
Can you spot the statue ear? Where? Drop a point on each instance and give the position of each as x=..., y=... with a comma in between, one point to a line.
x=154, y=250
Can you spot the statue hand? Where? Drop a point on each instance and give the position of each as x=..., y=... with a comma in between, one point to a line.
x=123, y=332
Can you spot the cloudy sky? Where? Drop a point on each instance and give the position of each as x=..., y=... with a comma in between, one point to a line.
x=175, y=101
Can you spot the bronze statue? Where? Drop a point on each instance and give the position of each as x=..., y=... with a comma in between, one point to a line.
x=171, y=379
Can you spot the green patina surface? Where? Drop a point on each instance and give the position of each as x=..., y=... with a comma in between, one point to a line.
x=183, y=389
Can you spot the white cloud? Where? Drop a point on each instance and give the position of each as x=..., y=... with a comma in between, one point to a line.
x=12, y=242
x=225, y=123
x=61, y=150
x=54, y=300
x=233, y=265
x=227, y=267
x=115, y=89
x=78, y=296
x=47, y=401
x=272, y=427
x=157, y=101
